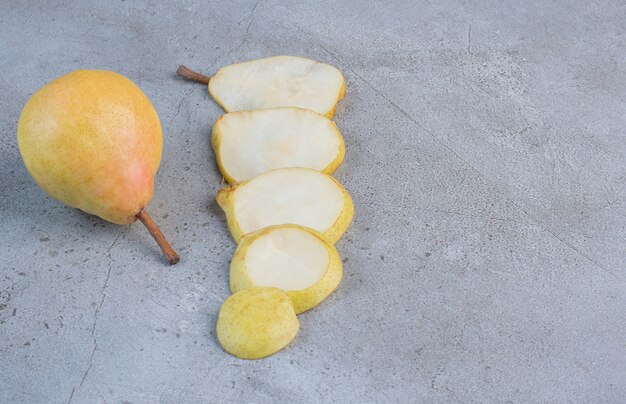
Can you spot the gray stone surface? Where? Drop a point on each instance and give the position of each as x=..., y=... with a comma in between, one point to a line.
x=486, y=153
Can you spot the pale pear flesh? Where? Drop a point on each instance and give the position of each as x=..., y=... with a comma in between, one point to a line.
x=288, y=259
x=279, y=81
x=250, y=143
x=296, y=259
x=299, y=196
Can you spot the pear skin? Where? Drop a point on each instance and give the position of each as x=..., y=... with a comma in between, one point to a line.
x=256, y=322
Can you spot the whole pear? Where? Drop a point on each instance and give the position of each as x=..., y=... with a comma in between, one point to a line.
x=93, y=140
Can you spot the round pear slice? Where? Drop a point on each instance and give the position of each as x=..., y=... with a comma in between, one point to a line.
x=256, y=323
x=293, y=258
x=249, y=143
x=279, y=81
x=299, y=196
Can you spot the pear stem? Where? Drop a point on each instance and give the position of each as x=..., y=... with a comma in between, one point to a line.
x=189, y=74
x=154, y=230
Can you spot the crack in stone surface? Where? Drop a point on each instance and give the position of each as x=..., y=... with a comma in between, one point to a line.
x=245, y=35
x=180, y=104
x=96, y=316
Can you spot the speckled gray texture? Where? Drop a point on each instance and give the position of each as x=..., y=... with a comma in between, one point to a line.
x=486, y=153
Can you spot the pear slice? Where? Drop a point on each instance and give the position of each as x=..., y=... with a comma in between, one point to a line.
x=249, y=143
x=279, y=81
x=256, y=323
x=293, y=258
x=288, y=195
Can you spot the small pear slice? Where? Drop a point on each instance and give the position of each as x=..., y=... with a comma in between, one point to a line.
x=249, y=143
x=279, y=81
x=256, y=323
x=293, y=258
x=288, y=195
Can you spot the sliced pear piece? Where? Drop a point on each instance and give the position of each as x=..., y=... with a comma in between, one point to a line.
x=249, y=143
x=256, y=323
x=293, y=258
x=279, y=81
x=288, y=196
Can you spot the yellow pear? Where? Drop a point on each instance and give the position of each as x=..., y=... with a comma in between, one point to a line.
x=293, y=258
x=278, y=81
x=93, y=140
x=256, y=323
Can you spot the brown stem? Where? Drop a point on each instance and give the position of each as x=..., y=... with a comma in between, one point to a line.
x=154, y=230
x=189, y=74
